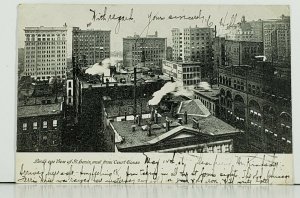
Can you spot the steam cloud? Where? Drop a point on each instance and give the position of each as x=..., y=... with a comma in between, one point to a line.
x=170, y=87
x=205, y=85
x=99, y=69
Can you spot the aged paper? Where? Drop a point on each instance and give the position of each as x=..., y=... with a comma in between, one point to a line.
x=154, y=94
x=155, y=168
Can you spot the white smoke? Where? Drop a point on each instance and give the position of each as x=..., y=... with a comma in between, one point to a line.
x=204, y=85
x=103, y=68
x=170, y=87
x=158, y=95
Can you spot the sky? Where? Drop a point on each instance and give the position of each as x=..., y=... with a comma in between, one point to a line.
x=137, y=19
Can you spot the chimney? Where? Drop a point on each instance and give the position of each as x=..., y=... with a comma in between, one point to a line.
x=107, y=82
x=167, y=125
x=152, y=114
x=149, y=129
x=125, y=117
x=133, y=128
x=185, y=118
x=180, y=120
x=139, y=119
x=156, y=118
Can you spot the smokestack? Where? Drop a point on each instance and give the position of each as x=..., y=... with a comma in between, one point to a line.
x=107, y=82
x=139, y=118
x=185, y=117
x=156, y=118
x=149, y=129
x=167, y=125
x=152, y=114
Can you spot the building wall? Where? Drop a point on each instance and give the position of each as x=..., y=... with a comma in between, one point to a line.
x=185, y=73
x=92, y=45
x=45, y=52
x=153, y=48
x=70, y=93
x=241, y=52
x=277, y=45
x=39, y=138
x=210, y=104
x=247, y=102
x=177, y=43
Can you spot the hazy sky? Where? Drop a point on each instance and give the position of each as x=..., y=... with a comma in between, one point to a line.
x=30, y=15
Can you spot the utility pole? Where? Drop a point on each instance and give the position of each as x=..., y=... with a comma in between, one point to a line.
x=134, y=92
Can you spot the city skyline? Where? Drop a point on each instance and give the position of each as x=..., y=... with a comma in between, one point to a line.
x=137, y=18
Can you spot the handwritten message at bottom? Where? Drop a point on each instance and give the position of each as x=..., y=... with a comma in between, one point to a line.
x=154, y=168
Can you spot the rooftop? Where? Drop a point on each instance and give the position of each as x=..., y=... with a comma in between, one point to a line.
x=211, y=93
x=39, y=110
x=208, y=126
x=46, y=28
x=193, y=107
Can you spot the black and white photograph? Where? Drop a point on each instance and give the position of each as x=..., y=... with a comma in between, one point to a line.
x=154, y=78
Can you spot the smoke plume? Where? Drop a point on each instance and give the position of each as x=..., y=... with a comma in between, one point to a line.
x=170, y=87
x=103, y=68
x=205, y=85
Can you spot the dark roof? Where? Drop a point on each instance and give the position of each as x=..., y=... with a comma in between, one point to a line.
x=39, y=110
x=118, y=107
x=208, y=126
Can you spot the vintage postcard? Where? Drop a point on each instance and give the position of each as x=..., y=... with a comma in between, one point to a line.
x=197, y=94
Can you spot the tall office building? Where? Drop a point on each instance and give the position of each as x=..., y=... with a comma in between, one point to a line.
x=45, y=52
x=251, y=31
x=150, y=51
x=277, y=44
x=90, y=46
x=194, y=44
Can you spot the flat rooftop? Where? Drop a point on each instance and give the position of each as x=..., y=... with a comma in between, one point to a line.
x=210, y=125
x=39, y=110
x=211, y=93
x=128, y=80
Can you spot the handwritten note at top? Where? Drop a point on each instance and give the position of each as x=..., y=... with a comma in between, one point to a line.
x=205, y=19
x=154, y=168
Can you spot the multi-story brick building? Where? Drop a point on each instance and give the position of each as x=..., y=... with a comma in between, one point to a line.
x=255, y=100
x=277, y=43
x=186, y=73
x=45, y=52
x=246, y=31
x=144, y=51
x=90, y=46
x=194, y=44
x=40, y=127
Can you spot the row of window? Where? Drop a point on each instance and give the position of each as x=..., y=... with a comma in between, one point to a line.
x=35, y=125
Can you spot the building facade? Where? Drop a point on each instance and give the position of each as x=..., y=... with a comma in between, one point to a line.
x=277, y=43
x=185, y=73
x=144, y=51
x=246, y=31
x=194, y=44
x=258, y=102
x=45, y=52
x=92, y=46
x=39, y=128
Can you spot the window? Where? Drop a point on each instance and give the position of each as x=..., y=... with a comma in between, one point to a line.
x=24, y=126
x=44, y=124
x=70, y=84
x=34, y=125
x=54, y=123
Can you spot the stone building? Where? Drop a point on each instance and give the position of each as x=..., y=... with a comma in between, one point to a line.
x=45, y=52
